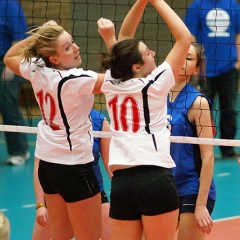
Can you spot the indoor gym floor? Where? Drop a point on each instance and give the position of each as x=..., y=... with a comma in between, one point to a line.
x=18, y=203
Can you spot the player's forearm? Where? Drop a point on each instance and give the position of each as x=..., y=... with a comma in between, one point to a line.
x=12, y=58
x=205, y=181
x=173, y=21
x=132, y=20
x=39, y=194
x=17, y=46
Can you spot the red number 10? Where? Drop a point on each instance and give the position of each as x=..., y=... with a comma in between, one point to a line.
x=129, y=103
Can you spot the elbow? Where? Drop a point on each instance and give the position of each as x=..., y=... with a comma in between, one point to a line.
x=5, y=60
x=189, y=38
x=12, y=64
x=186, y=41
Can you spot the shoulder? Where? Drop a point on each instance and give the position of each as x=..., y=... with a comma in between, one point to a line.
x=32, y=64
x=199, y=99
x=108, y=75
x=83, y=73
x=30, y=69
x=162, y=68
x=164, y=65
x=201, y=102
x=192, y=89
x=163, y=74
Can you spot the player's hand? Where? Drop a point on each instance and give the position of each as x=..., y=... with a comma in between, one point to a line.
x=42, y=216
x=50, y=23
x=204, y=221
x=106, y=28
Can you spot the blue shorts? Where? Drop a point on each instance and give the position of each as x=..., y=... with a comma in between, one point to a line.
x=72, y=182
x=142, y=190
x=188, y=204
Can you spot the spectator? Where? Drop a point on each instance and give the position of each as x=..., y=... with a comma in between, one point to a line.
x=13, y=28
x=216, y=25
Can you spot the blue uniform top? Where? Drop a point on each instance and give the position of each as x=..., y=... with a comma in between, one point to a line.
x=215, y=25
x=13, y=26
x=97, y=122
x=187, y=157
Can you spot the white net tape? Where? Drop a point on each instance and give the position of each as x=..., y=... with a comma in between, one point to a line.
x=102, y=134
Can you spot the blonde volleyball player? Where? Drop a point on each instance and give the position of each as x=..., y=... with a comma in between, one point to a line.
x=100, y=148
x=49, y=59
x=143, y=193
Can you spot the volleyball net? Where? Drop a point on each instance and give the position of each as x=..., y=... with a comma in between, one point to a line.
x=79, y=17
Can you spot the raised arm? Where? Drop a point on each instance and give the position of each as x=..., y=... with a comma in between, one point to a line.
x=106, y=30
x=12, y=58
x=132, y=19
x=178, y=53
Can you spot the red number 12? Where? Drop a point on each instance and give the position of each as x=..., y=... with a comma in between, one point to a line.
x=48, y=98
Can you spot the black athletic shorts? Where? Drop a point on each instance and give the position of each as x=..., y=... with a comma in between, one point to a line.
x=188, y=204
x=72, y=182
x=104, y=198
x=142, y=190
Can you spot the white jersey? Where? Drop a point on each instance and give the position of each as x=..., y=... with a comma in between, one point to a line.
x=138, y=112
x=65, y=99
